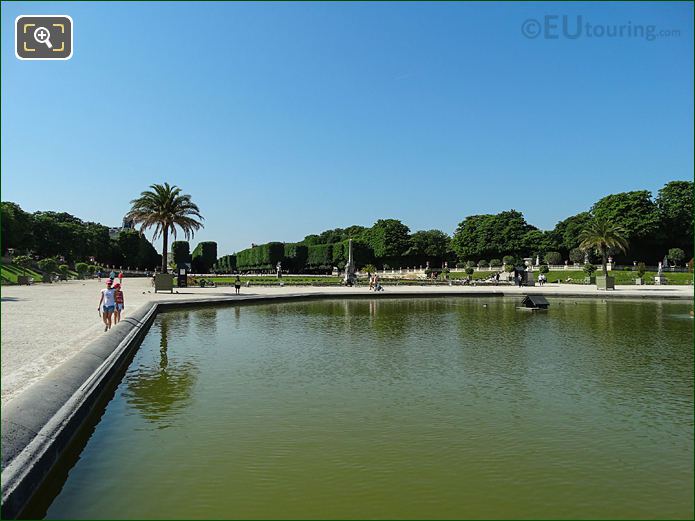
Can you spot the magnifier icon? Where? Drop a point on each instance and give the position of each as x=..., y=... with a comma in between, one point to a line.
x=43, y=35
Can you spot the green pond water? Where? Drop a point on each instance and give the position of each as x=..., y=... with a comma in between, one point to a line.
x=429, y=408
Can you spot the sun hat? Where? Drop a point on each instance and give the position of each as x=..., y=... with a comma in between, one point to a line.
x=109, y=281
x=117, y=285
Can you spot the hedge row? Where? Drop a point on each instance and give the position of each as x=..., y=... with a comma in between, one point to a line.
x=261, y=257
x=296, y=255
x=361, y=253
x=204, y=257
x=181, y=251
x=320, y=257
x=226, y=264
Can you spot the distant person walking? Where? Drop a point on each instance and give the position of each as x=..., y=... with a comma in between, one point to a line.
x=120, y=302
x=237, y=285
x=120, y=277
x=107, y=304
x=112, y=276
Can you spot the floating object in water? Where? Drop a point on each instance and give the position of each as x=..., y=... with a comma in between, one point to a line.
x=534, y=303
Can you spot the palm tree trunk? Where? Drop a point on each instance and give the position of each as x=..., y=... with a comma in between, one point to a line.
x=604, y=262
x=165, y=240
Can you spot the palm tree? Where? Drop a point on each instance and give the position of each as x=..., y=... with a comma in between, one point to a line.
x=601, y=235
x=164, y=208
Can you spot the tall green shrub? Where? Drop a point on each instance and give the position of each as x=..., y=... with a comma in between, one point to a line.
x=226, y=264
x=320, y=257
x=261, y=257
x=204, y=256
x=295, y=256
x=181, y=251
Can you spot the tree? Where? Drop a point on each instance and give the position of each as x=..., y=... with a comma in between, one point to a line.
x=637, y=216
x=482, y=263
x=566, y=232
x=389, y=239
x=23, y=261
x=675, y=206
x=589, y=269
x=48, y=265
x=369, y=268
x=82, y=268
x=537, y=242
x=676, y=256
x=553, y=258
x=487, y=236
x=602, y=235
x=495, y=263
x=509, y=259
x=16, y=227
x=577, y=255
x=544, y=269
x=164, y=208
x=428, y=245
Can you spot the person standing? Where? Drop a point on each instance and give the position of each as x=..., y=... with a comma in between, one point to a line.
x=107, y=304
x=120, y=302
x=120, y=277
x=237, y=284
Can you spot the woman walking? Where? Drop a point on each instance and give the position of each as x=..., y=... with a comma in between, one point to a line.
x=120, y=303
x=107, y=305
x=237, y=284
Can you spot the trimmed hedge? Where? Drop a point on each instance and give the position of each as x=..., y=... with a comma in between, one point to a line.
x=295, y=256
x=181, y=252
x=226, y=264
x=320, y=257
x=362, y=253
x=261, y=257
x=204, y=256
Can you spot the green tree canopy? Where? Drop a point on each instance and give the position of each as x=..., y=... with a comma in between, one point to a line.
x=487, y=236
x=603, y=235
x=164, y=209
x=389, y=239
x=566, y=232
x=637, y=216
x=432, y=245
x=675, y=206
x=16, y=227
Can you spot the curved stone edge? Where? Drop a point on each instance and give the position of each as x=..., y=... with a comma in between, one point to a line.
x=41, y=423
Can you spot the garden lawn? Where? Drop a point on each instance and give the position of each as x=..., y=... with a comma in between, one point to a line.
x=10, y=272
x=621, y=277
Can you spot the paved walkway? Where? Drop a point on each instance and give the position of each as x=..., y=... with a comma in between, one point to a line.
x=45, y=324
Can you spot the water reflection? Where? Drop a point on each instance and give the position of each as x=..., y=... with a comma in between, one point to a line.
x=158, y=392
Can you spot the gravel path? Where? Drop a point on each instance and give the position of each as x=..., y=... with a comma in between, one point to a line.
x=45, y=324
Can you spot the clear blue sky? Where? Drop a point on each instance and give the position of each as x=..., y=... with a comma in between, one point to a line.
x=287, y=119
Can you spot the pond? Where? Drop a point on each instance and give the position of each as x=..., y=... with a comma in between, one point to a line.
x=403, y=408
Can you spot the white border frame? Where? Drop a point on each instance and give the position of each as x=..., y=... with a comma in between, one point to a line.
x=72, y=43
